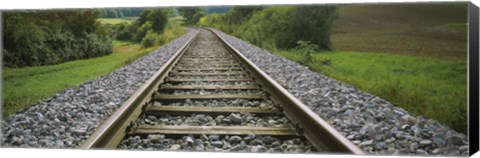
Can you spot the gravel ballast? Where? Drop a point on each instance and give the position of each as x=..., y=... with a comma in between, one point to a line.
x=372, y=123
x=69, y=117
x=220, y=103
x=217, y=143
x=234, y=119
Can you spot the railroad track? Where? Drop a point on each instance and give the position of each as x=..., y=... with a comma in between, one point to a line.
x=209, y=97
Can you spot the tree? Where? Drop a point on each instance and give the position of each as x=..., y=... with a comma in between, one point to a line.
x=312, y=23
x=192, y=15
x=238, y=15
x=158, y=19
x=283, y=27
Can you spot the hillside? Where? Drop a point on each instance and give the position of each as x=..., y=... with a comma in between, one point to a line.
x=432, y=30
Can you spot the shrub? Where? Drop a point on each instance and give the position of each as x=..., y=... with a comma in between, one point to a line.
x=277, y=27
x=150, y=39
x=152, y=19
x=306, y=49
x=142, y=31
x=44, y=38
x=124, y=31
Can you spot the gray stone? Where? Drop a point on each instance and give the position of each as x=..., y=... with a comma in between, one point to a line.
x=413, y=146
x=425, y=142
x=151, y=117
x=236, y=118
x=436, y=151
x=408, y=119
x=199, y=147
x=213, y=137
x=43, y=142
x=275, y=144
x=269, y=140
x=217, y=143
x=273, y=122
x=201, y=118
x=249, y=137
x=189, y=140
x=79, y=132
x=295, y=141
x=455, y=140
x=256, y=142
x=236, y=148
x=155, y=137
x=235, y=139
x=258, y=148
x=369, y=105
x=439, y=142
x=463, y=148
x=40, y=116
x=381, y=145
x=399, y=111
x=406, y=127
x=175, y=147
x=17, y=140
x=218, y=149
x=365, y=143
x=421, y=152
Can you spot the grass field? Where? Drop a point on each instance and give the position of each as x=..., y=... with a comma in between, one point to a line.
x=430, y=30
x=435, y=88
x=23, y=87
x=116, y=20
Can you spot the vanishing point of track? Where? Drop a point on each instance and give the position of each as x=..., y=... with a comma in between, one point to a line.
x=207, y=89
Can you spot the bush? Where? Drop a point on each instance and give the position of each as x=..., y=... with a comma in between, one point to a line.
x=282, y=27
x=306, y=49
x=312, y=23
x=142, y=31
x=277, y=27
x=172, y=30
x=153, y=19
x=150, y=39
x=44, y=38
x=124, y=31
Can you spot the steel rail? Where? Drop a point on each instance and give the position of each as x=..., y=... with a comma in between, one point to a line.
x=315, y=129
x=112, y=131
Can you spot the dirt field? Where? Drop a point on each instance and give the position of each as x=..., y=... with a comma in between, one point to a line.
x=431, y=30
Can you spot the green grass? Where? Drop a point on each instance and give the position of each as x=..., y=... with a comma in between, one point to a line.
x=434, y=88
x=23, y=87
x=116, y=20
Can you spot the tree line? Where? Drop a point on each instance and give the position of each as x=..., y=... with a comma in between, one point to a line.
x=277, y=27
x=120, y=12
x=50, y=37
x=35, y=38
